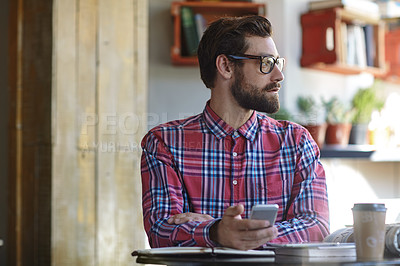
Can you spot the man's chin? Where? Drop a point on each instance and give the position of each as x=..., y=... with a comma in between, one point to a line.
x=269, y=109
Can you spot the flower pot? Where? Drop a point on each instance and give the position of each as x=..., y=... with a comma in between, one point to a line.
x=338, y=134
x=359, y=134
x=318, y=133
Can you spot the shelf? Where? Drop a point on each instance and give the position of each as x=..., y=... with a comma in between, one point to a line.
x=210, y=11
x=349, y=151
x=326, y=42
x=369, y=152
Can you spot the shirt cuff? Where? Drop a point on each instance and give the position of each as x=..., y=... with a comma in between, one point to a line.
x=202, y=234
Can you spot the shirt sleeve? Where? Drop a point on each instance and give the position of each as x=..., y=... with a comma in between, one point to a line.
x=163, y=196
x=307, y=216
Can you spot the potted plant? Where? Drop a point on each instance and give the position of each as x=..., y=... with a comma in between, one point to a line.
x=282, y=114
x=308, y=109
x=363, y=103
x=338, y=119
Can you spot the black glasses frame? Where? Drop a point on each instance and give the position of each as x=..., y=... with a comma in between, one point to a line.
x=277, y=61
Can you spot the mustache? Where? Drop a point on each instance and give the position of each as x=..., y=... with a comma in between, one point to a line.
x=272, y=86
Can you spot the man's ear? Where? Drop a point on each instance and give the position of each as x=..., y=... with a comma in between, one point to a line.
x=224, y=66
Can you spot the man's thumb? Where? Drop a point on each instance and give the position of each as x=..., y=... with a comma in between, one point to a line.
x=235, y=210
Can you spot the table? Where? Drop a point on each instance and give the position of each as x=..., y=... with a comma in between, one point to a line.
x=274, y=260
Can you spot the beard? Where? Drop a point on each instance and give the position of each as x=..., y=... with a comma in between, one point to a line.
x=251, y=97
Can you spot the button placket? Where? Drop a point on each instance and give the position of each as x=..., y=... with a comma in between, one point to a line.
x=234, y=180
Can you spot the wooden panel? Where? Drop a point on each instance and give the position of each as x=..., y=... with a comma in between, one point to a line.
x=13, y=249
x=86, y=129
x=100, y=96
x=120, y=111
x=140, y=87
x=74, y=217
x=29, y=178
x=66, y=242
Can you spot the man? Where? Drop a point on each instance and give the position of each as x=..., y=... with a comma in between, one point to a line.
x=202, y=175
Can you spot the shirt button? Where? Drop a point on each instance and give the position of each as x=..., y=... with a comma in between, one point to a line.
x=235, y=134
x=234, y=154
x=234, y=182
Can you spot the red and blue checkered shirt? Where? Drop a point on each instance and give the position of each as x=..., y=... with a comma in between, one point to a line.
x=203, y=165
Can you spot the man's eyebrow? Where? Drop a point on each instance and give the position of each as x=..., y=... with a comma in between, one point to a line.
x=271, y=55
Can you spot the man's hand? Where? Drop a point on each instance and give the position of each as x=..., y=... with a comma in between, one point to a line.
x=234, y=232
x=186, y=217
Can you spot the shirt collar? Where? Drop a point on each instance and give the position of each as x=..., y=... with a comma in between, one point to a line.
x=221, y=129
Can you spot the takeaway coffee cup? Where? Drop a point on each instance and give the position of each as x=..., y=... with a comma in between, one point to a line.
x=369, y=230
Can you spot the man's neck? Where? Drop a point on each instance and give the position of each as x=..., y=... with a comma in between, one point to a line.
x=233, y=114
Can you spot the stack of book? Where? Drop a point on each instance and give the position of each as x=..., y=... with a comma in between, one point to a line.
x=315, y=249
x=358, y=45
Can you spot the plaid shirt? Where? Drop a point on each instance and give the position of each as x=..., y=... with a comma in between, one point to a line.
x=203, y=165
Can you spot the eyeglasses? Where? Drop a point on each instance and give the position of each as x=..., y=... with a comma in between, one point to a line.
x=267, y=62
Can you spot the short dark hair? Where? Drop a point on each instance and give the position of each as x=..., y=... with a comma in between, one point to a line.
x=228, y=36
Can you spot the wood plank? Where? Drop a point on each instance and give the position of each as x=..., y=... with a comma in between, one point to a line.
x=141, y=31
x=30, y=71
x=65, y=234
x=13, y=228
x=119, y=124
x=115, y=71
x=86, y=128
x=100, y=94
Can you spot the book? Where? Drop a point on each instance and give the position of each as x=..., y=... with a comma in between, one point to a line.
x=351, y=45
x=343, y=45
x=358, y=47
x=189, y=31
x=367, y=7
x=174, y=251
x=320, y=249
x=370, y=46
x=201, y=24
x=361, y=56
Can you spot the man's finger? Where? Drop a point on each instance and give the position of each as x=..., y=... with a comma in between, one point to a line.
x=234, y=210
x=260, y=234
x=247, y=225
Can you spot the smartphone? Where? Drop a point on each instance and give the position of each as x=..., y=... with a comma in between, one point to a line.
x=265, y=212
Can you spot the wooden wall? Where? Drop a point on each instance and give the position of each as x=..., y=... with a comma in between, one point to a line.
x=29, y=132
x=98, y=119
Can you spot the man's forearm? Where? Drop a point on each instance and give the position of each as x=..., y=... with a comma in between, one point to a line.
x=300, y=230
x=195, y=233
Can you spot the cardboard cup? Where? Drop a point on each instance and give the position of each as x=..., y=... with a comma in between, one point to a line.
x=369, y=230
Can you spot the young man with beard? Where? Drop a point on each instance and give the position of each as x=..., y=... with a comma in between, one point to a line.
x=202, y=175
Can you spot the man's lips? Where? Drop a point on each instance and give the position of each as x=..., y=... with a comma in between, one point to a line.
x=275, y=87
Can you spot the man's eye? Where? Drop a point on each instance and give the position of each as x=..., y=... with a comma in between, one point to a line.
x=268, y=61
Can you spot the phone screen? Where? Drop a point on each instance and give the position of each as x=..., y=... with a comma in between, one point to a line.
x=265, y=212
